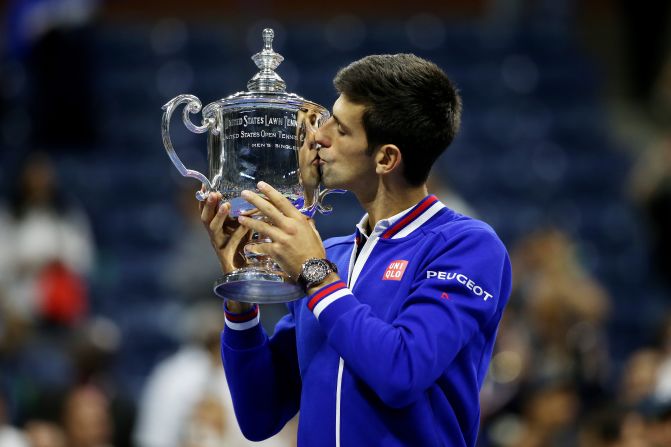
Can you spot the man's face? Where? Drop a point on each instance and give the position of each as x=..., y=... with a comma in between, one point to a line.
x=308, y=158
x=344, y=162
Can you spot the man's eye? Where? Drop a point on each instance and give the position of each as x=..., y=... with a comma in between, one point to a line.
x=340, y=131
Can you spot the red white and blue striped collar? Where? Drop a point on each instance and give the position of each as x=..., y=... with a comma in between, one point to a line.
x=403, y=223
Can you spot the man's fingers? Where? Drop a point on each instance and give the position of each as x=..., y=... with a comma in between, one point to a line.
x=249, y=212
x=228, y=249
x=210, y=208
x=260, y=227
x=265, y=207
x=277, y=199
x=237, y=236
x=219, y=218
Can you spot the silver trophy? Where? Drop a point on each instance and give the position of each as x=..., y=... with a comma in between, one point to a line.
x=263, y=134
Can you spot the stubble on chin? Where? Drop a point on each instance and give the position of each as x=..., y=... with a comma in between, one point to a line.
x=327, y=180
x=322, y=179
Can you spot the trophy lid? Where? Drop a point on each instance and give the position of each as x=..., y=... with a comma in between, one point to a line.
x=267, y=80
x=266, y=89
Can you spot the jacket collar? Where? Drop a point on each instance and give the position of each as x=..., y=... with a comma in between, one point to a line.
x=403, y=223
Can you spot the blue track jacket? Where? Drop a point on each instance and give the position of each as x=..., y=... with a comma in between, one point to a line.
x=392, y=355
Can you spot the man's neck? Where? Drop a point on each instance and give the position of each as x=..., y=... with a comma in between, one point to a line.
x=385, y=203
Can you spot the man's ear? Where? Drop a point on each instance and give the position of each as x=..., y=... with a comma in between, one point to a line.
x=387, y=159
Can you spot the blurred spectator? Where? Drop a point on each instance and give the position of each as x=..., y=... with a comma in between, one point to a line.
x=93, y=350
x=86, y=418
x=206, y=425
x=42, y=433
x=639, y=376
x=186, y=402
x=567, y=320
x=565, y=309
x=48, y=248
x=547, y=253
x=549, y=414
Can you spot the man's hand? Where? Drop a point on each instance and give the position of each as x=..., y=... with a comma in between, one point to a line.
x=227, y=236
x=294, y=237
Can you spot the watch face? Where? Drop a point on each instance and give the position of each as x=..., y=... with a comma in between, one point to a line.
x=315, y=270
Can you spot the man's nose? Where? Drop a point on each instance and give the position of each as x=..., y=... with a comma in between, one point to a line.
x=321, y=140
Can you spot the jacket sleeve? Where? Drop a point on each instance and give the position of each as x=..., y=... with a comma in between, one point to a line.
x=262, y=373
x=459, y=290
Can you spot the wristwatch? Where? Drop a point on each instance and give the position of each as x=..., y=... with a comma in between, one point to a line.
x=314, y=271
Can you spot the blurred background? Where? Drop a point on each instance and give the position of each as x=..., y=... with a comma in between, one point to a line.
x=108, y=326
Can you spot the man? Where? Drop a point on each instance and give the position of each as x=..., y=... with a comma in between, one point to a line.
x=392, y=342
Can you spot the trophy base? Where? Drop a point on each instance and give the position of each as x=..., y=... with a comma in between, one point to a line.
x=256, y=285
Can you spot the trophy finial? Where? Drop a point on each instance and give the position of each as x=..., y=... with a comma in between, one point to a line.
x=267, y=60
x=268, y=36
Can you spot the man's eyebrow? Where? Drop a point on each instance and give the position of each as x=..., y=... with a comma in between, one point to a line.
x=340, y=123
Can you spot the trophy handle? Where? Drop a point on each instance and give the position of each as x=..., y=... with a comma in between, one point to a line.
x=193, y=105
x=316, y=204
x=321, y=194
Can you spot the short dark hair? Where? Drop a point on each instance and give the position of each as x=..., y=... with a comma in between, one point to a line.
x=409, y=102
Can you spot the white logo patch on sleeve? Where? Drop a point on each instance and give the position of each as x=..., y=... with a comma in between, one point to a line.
x=461, y=279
